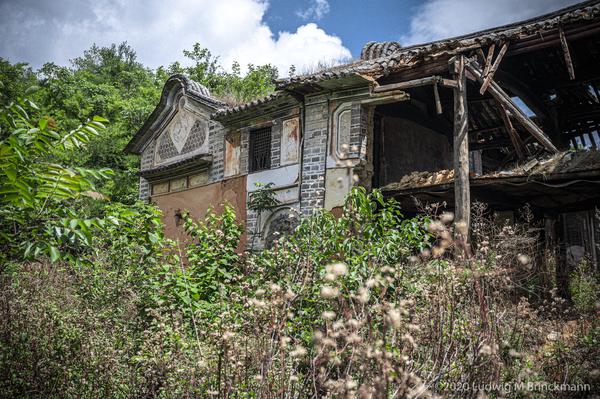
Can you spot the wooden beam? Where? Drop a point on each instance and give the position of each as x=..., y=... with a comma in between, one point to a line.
x=490, y=73
x=566, y=52
x=512, y=133
x=462, y=193
x=504, y=99
x=416, y=83
x=438, y=103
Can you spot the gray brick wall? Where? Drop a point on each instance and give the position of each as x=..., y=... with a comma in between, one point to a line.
x=276, y=143
x=358, y=130
x=146, y=162
x=244, y=144
x=314, y=155
x=216, y=147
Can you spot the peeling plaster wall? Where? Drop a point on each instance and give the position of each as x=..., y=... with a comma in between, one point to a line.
x=197, y=201
x=408, y=147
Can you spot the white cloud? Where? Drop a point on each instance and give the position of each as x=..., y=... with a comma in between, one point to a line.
x=39, y=31
x=440, y=19
x=316, y=10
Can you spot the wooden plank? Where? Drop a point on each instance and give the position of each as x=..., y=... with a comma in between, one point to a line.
x=438, y=103
x=566, y=52
x=512, y=133
x=462, y=194
x=504, y=99
x=490, y=75
x=488, y=60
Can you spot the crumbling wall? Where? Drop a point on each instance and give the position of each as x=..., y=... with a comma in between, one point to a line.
x=408, y=147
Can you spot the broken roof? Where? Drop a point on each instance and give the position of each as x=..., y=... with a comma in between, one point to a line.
x=378, y=59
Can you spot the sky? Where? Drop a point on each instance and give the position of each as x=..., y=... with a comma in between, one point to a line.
x=304, y=33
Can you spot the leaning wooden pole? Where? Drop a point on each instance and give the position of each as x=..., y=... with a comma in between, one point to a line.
x=462, y=194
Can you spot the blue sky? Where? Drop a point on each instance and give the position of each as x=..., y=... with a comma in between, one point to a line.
x=304, y=33
x=355, y=21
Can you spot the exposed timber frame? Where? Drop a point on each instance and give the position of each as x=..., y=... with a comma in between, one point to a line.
x=504, y=99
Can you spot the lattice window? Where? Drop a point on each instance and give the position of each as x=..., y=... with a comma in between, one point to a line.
x=260, y=149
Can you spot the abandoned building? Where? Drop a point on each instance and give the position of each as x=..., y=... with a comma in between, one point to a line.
x=506, y=116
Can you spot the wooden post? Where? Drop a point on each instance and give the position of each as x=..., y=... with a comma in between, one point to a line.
x=462, y=195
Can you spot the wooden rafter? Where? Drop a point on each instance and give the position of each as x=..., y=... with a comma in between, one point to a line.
x=566, y=52
x=512, y=133
x=491, y=70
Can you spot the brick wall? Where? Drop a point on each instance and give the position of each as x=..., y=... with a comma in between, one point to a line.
x=314, y=155
x=146, y=162
x=216, y=147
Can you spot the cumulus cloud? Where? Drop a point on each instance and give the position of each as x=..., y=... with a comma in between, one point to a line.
x=316, y=10
x=439, y=19
x=38, y=31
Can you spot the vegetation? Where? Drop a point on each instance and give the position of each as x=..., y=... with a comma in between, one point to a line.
x=96, y=302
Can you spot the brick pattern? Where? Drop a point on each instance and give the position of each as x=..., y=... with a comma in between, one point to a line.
x=216, y=147
x=146, y=162
x=244, y=148
x=358, y=131
x=314, y=155
x=276, y=143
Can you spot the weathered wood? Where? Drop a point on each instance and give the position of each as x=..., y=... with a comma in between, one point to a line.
x=504, y=99
x=566, y=52
x=488, y=60
x=490, y=74
x=481, y=55
x=512, y=133
x=438, y=103
x=462, y=194
x=416, y=83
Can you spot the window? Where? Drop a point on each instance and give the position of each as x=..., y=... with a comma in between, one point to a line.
x=260, y=149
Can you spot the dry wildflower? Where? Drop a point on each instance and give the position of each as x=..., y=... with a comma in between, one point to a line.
x=351, y=384
x=227, y=335
x=275, y=288
x=329, y=292
x=435, y=226
x=371, y=283
x=289, y=294
x=524, y=259
x=258, y=377
x=328, y=315
x=446, y=217
x=337, y=269
x=363, y=295
x=260, y=292
x=353, y=339
x=394, y=317
x=330, y=277
x=514, y=353
x=294, y=378
x=461, y=228
x=353, y=323
x=298, y=351
x=410, y=340
x=485, y=350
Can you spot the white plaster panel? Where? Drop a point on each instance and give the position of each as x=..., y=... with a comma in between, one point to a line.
x=338, y=183
x=280, y=177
